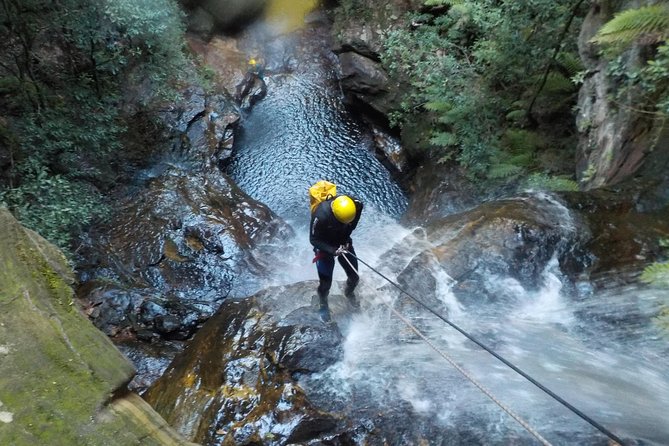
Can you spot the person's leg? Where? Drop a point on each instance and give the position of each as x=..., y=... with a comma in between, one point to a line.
x=325, y=267
x=352, y=278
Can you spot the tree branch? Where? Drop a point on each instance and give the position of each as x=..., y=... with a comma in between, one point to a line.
x=551, y=62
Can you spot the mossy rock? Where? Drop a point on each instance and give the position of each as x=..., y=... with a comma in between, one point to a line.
x=58, y=373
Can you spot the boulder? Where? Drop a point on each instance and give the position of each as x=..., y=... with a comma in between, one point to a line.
x=366, y=82
x=62, y=382
x=520, y=238
x=513, y=238
x=234, y=384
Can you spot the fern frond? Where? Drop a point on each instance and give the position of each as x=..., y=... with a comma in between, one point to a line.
x=656, y=274
x=627, y=26
x=557, y=83
x=503, y=170
x=522, y=141
x=516, y=115
x=570, y=62
x=541, y=181
x=524, y=159
x=443, y=139
x=438, y=106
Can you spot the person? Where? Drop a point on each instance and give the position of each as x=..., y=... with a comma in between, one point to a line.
x=332, y=223
x=256, y=67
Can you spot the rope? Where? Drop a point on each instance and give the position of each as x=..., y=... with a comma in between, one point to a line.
x=464, y=372
x=552, y=394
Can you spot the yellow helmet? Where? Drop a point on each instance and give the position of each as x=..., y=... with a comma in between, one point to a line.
x=252, y=61
x=343, y=209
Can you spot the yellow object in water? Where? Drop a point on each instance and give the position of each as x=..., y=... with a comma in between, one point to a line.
x=321, y=191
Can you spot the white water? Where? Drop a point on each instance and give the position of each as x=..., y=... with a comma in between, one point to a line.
x=613, y=372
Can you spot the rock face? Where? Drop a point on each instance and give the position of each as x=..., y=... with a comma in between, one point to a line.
x=225, y=14
x=181, y=236
x=168, y=258
x=518, y=238
x=57, y=371
x=234, y=382
x=615, y=140
x=359, y=46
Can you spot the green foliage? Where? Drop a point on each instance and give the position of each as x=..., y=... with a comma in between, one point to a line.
x=65, y=70
x=477, y=70
x=656, y=274
x=52, y=205
x=541, y=181
x=649, y=22
x=648, y=25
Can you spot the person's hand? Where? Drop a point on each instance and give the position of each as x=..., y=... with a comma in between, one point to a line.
x=341, y=250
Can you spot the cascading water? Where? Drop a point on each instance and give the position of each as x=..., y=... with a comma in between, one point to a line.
x=615, y=373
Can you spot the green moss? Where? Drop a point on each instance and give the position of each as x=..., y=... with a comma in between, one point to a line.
x=60, y=370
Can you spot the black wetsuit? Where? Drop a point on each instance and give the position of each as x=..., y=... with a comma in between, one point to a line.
x=327, y=234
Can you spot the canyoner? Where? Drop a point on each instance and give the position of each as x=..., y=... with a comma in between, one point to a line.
x=333, y=219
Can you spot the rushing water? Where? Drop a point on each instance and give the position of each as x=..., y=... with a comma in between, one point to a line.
x=582, y=345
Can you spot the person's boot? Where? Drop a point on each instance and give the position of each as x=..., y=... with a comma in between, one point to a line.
x=323, y=308
x=349, y=292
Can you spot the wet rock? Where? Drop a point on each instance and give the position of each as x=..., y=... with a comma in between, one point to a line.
x=58, y=371
x=366, y=83
x=233, y=383
x=390, y=149
x=250, y=91
x=513, y=238
x=169, y=256
x=439, y=191
x=201, y=128
x=613, y=219
x=517, y=238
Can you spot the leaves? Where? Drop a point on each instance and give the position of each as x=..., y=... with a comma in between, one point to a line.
x=472, y=71
x=651, y=22
x=656, y=274
x=66, y=114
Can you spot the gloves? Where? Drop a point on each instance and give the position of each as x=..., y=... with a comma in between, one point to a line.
x=341, y=250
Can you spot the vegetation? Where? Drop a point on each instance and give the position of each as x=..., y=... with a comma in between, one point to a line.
x=494, y=76
x=648, y=25
x=657, y=273
x=64, y=70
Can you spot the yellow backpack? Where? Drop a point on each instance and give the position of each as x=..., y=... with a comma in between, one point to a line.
x=321, y=191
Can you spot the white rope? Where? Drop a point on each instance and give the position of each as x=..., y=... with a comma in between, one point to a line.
x=462, y=370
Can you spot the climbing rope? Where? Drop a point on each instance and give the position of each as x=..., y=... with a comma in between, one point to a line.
x=559, y=399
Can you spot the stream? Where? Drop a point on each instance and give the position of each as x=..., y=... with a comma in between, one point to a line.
x=599, y=351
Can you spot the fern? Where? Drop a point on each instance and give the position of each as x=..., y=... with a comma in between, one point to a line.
x=504, y=171
x=650, y=22
x=443, y=139
x=522, y=141
x=557, y=83
x=442, y=2
x=541, y=181
x=656, y=274
x=516, y=115
x=570, y=62
x=438, y=106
